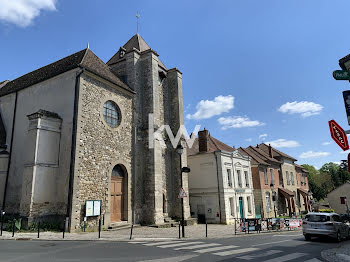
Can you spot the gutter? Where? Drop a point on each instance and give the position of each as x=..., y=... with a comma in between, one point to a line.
x=217, y=177
x=73, y=147
x=10, y=156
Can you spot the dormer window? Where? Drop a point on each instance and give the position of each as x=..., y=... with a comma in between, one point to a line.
x=121, y=52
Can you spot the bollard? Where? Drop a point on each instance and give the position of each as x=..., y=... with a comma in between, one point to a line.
x=206, y=228
x=39, y=229
x=235, y=227
x=13, y=228
x=179, y=231
x=132, y=227
x=64, y=228
x=99, y=228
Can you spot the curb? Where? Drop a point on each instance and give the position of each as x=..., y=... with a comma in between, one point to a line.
x=126, y=239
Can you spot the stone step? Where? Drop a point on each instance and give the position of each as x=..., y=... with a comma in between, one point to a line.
x=163, y=225
x=120, y=226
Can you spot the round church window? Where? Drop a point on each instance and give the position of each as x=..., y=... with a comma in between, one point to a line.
x=111, y=113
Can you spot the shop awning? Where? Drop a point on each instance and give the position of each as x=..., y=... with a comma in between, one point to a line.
x=285, y=192
x=303, y=192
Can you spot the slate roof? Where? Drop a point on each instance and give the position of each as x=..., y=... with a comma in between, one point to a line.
x=136, y=42
x=301, y=167
x=255, y=157
x=276, y=152
x=84, y=59
x=213, y=145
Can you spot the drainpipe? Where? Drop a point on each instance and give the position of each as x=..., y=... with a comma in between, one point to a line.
x=217, y=177
x=10, y=156
x=73, y=147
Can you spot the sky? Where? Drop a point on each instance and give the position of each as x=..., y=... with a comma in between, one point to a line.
x=253, y=71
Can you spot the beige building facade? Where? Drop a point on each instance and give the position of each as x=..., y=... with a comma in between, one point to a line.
x=220, y=182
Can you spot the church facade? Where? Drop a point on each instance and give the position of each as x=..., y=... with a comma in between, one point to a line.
x=78, y=130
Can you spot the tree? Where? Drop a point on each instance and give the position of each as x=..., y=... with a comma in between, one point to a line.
x=320, y=183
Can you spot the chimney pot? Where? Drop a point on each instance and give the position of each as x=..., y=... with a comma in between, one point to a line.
x=203, y=140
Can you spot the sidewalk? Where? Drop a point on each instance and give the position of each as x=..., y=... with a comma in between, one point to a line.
x=339, y=254
x=191, y=232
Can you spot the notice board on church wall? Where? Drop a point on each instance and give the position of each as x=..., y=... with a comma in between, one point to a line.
x=93, y=208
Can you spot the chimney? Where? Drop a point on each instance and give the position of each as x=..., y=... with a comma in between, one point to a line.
x=270, y=151
x=203, y=140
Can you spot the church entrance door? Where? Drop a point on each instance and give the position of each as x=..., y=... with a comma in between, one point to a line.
x=117, y=194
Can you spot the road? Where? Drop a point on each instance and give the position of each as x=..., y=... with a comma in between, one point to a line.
x=278, y=247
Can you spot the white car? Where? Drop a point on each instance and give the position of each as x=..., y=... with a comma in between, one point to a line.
x=325, y=224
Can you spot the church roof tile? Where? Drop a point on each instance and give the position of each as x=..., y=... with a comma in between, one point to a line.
x=135, y=42
x=85, y=59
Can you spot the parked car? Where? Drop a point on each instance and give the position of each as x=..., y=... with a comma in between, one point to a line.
x=325, y=224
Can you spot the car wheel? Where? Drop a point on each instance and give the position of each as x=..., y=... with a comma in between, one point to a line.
x=348, y=237
x=338, y=239
x=307, y=237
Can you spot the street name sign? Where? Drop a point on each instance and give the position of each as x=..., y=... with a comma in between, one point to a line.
x=346, y=96
x=341, y=75
x=338, y=135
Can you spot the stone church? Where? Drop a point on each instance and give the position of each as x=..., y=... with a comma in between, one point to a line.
x=78, y=130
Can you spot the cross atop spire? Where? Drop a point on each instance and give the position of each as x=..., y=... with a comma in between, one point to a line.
x=137, y=21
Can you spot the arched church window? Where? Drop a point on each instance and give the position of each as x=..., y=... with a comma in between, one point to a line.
x=111, y=113
x=118, y=171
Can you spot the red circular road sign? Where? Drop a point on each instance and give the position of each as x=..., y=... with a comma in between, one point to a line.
x=338, y=135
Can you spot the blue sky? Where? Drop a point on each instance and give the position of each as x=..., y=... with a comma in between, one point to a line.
x=251, y=63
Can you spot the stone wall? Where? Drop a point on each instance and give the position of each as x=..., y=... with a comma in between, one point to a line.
x=100, y=147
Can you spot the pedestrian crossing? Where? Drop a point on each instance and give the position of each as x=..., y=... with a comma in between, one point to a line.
x=256, y=252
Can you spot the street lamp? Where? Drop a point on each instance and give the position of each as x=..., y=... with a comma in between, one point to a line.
x=179, y=150
x=273, y=198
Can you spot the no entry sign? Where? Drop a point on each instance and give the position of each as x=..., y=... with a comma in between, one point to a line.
x=338, y=135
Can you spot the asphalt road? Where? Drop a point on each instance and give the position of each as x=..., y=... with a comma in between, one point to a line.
x=280, y=247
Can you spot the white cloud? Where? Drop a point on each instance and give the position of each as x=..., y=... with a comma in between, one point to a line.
x=23, y=12
x=279, y=143
x=237, y=122
x=338, y=163
x=304, y=108
x=344, y=152
x=311, y=154
x=249, y=140
x=326, y=143
x=263, y=136
x=209, y=108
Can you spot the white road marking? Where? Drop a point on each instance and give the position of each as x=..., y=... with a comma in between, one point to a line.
x=199, y=246
x=236, y=251
x=162, y=243
x=179, y=244
x=207, y=250
x=267, y=253
x=137, y=242
x=286, y=257
x=171, y=259
x=276, y=242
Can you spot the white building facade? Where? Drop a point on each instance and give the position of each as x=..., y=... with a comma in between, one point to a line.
x=220, y=182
